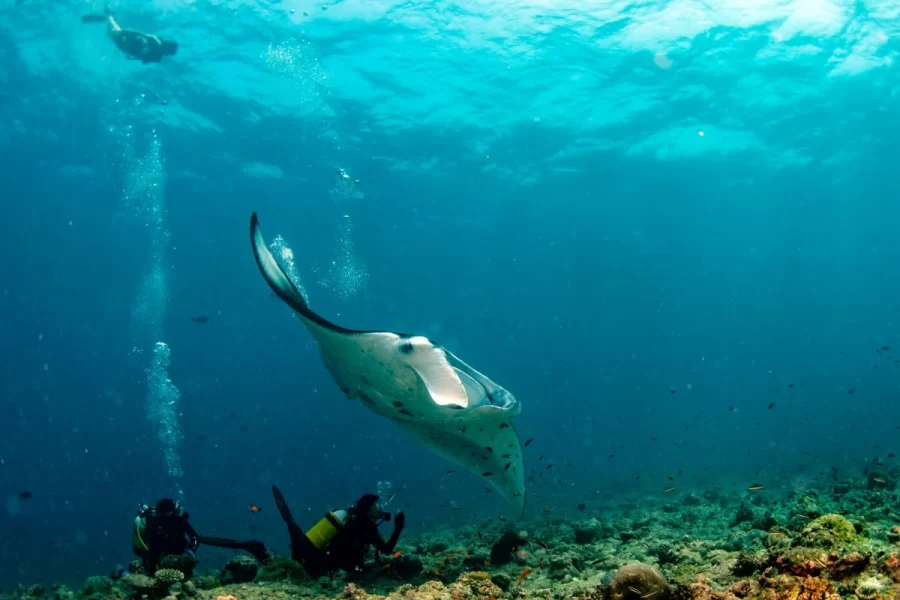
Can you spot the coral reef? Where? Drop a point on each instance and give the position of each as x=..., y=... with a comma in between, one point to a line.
x=840, y=540
x=240, y=569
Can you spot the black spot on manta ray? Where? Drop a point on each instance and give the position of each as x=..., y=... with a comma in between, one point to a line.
x=397, y=404
x=403, y=411
x=406, y=348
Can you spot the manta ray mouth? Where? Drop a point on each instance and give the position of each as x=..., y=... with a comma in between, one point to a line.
x=442, y=402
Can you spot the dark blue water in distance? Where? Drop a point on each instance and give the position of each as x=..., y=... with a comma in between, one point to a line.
x=649, y=221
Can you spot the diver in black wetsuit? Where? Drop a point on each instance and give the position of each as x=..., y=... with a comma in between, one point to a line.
x=137, y=45
x=342, y=538
x=165, y=529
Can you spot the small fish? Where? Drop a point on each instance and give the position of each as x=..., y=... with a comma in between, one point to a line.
x=486, y=474
x=517, y=494
x=200, y=319
x=254, y=508
x=547, y=509
x=392, y=497
x=489, y=449
x=634, y=590
x=397, y=554
x=502, y=518
x=450, y=472
x=504, y=425
x=550, y=466
x=506, y=468
x=771, y=405
x=542, y=544
x=581, y=507
x=669, y=489
x=26, y=495
x=891, y=455
x=462, y=429
x=525, y=573
x=756, y=486
x=670, y=478
x=790, y=385
x=528, y=442
x=386, y=567
x=672, y=390
x=881, y=480
x=885, y=348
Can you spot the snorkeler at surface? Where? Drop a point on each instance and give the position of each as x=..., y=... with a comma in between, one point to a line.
x=137, y=45
x=342, y=538
x=165, y=529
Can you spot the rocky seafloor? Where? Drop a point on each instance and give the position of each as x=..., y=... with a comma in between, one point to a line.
x=840, y=540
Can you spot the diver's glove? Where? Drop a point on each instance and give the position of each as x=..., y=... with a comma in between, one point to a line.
x=400, y=520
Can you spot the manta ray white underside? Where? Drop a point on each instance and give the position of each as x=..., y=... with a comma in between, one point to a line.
x=441, y=401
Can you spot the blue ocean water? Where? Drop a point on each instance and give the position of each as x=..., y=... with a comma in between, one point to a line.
x=648, y=220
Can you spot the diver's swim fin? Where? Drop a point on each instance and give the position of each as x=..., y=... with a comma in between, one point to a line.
x=300, y=544
x=284, y=511
x=95, y=18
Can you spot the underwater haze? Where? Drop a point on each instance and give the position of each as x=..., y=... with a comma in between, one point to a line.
x=669, y=228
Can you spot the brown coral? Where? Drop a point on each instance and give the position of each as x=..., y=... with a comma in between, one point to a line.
x=850, y=564
x=815, y=588
x=891, y=568
x=742, y=588
x=638, y=581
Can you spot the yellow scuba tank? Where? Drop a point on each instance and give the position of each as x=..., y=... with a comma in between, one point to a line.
x=137, y=539
x=328, y=526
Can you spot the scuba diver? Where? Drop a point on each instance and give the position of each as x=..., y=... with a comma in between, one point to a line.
x=341, y=539
x=137, y=45
x=165, y=529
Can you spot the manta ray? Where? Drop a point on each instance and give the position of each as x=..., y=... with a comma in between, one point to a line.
x=439, y=400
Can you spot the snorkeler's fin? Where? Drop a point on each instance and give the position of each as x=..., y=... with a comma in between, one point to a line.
x=445, y=404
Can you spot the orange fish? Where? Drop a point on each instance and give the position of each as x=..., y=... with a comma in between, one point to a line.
x=254, y=508
x=397, y=554
x=487, y=563
x=436, y=573
x=386, y=567
x=525, y=573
